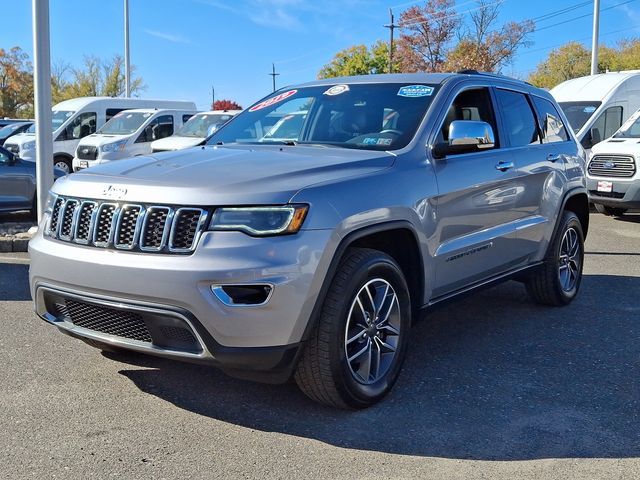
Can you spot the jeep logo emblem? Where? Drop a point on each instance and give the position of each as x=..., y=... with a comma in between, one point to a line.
x=114, y=192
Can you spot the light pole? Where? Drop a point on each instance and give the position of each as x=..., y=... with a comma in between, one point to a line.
x=594, y=40
x=42, y=99
x=127, y=63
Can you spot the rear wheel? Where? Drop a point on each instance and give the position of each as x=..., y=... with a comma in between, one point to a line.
x=557, y=281
x=63, y=164
x=355, y=353
x=610, y=211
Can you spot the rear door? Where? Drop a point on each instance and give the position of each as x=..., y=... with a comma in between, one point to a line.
x=476, y=206
x=541, y=166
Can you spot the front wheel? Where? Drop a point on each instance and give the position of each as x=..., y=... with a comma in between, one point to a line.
x=557, y=281
x=610, y=211
x=355, y=353
x=63, y=164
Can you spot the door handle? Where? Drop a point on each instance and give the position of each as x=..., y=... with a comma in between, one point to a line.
x=504, y=166
x=552, y=157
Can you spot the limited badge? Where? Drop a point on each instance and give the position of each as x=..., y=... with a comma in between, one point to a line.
x=270, y=101
x=337, y=90
x=413, y=91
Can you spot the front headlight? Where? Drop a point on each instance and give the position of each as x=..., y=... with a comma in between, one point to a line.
x=113, y=147
x=260, y=221
x=29, y=145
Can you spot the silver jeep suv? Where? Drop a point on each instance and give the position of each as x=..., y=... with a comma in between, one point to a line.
x=310, y=254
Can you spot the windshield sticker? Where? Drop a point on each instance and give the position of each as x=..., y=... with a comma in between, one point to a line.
x=589, y=109
x=337, y=90
x=369, y=141
x=414, y=91
x=384, y=141
x=270, y=101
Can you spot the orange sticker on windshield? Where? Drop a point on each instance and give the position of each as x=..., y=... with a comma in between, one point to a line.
x=270, y=101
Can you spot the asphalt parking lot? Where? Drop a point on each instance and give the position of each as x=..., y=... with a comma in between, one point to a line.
x=494, y=387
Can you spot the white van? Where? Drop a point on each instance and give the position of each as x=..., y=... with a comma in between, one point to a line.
x=128, y=134
x=76, y=118
x=597, y=105
x=193, y=133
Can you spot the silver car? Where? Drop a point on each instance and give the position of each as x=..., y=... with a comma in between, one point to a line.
x=18, y=182
x=311, y=256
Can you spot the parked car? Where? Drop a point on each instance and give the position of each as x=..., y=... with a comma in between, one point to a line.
x=128, y=134
x=597, y=105
x=613, y=179
x=8, y=121
x=12, y=129
x=312, y=256
x=18, y=183
x=75, y=119
x=195, y=131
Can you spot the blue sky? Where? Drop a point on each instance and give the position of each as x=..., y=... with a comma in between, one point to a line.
x=183, y=47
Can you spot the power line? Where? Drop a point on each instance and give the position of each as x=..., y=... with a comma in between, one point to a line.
x=452, y=15
x=581, y=16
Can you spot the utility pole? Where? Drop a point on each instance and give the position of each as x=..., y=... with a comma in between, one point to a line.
x=391, y=26
x=213, y=96
x=42, y=96
x=273, y=75
x=594, y=41
x=127, y=63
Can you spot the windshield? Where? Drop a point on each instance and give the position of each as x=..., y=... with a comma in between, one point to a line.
x=362, y=116
x=58, y=117
x=124, y=123
x=9, y=129
x=630, y=128
x=200, y=125
x=578, y=113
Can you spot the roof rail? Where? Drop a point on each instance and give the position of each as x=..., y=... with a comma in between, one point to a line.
x=471, y=71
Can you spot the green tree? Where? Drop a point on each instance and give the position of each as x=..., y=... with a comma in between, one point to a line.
x=16, y=83
x=359, y=60
x=573, y=60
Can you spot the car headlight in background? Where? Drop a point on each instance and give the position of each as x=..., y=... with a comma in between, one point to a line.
x=260, y=221
x=113, y=147
x=30, y=145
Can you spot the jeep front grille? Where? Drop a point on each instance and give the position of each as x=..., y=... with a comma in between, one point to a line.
x=612, y=166
x=123, y=226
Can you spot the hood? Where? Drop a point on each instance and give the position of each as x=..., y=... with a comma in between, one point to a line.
x=20, y=138
x=98, y=139
x=175, y=142
x=231, y=175
x=624, y=146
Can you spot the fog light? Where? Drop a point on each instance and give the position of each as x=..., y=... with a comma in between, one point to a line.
x=242, y=295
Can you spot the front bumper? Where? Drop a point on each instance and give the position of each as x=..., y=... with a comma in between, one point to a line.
x=177, y=288
x=625, y=193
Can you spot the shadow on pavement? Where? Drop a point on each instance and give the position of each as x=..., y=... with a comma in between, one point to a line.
x=629, y=217
x=14, y=282
x=493, y=377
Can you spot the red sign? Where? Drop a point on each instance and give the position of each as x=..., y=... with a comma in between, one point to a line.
x=272, y=100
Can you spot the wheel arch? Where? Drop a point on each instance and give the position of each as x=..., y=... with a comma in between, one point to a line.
x=576, y=201
x=379, y=237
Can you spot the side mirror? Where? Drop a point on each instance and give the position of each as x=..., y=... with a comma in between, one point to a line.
x=7, y=158
x=466, y=136
x=595, y=136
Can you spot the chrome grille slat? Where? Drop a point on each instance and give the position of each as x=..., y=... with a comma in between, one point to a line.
x=123, y=226
x=622, y=166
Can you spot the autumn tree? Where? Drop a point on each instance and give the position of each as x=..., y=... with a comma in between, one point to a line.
x=573, y=60
x=359, y=60
x=484, y=46
x=16, y=83
x=100, y=77
x=225, y=105
x=426, y=36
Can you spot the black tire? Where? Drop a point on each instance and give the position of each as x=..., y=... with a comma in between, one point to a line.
x=324, y=374
x=547, y=285
x=63, y=163
x=610, y=211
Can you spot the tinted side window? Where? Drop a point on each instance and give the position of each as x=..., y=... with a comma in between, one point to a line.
x=606, y=125
x=81, y=126
x=474, y=104
x=111, y=112
x=185, y=118
x=164, y=127
x=519, y=121
x=553, y=129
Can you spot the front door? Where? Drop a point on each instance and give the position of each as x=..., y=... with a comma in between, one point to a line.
x=476, y=204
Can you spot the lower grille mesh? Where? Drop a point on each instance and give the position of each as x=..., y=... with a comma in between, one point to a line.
x=107, y=320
